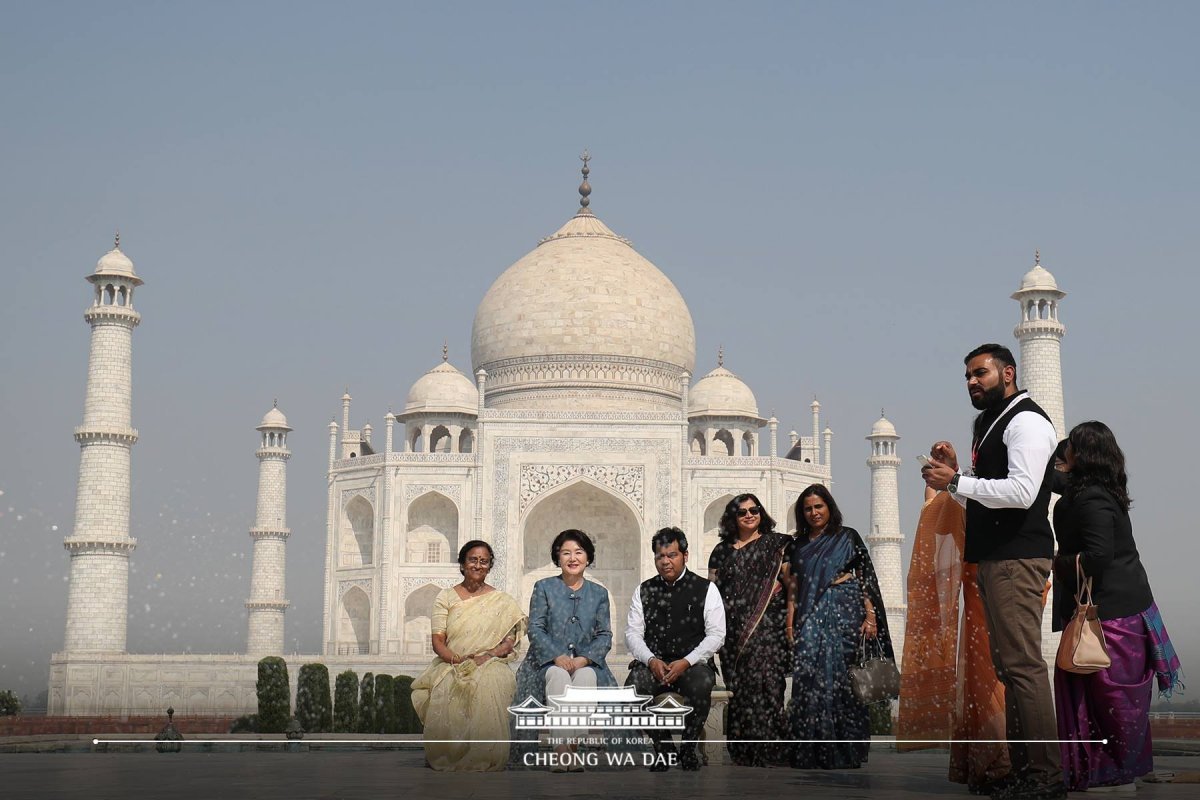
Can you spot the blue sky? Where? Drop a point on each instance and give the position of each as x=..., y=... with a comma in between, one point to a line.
x=318, y=196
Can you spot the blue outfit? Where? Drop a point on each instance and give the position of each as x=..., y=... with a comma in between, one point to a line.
x=562, y=621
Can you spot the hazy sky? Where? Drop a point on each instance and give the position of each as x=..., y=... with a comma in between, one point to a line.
x=317, y=196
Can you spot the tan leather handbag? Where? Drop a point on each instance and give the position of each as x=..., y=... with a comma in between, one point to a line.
x=1082, y=649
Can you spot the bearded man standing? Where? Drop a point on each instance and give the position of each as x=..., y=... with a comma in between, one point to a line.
x=1007, y=498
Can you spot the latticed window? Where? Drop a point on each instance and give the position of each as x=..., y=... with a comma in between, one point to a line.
x=433, y=552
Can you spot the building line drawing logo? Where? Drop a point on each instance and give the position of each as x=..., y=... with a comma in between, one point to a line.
x=612, y=707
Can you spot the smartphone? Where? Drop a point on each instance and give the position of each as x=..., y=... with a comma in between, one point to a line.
x=924, y=459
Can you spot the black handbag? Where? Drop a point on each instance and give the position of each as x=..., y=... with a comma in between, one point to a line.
x=875, y=678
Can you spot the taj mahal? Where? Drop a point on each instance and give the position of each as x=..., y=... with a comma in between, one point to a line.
x=581, y=409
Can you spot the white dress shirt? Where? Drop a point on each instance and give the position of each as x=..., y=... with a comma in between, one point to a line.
x=714, y=626
x=1030, y=439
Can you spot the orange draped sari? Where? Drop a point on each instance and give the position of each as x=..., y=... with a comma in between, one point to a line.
x=948, y=687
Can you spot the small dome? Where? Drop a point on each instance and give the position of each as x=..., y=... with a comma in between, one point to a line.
x=273, y=419
x=443, y=389
x=1038, y=279
x=720, y=393
x=883, y=427
x=116, y=263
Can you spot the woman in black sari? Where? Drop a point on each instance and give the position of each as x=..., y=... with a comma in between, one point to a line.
x=750, y=567
x=838, y=607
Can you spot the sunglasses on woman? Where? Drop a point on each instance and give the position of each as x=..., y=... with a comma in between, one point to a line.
x=748, y=512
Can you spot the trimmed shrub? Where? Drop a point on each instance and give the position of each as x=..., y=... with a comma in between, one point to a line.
x=314, y=708
x=385, y=704
x=10, y=704
x=366, y=703
x=247, y=723
x=274, y=696
x=345, y=703
x=406, y=716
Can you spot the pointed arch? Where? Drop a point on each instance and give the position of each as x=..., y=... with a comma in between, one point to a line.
x=354, y=623
x=722, y=443
x=612, y=523
x=711, y=535
x=418, y=612
x=466, y=441
x=358, y=533
x=432, y=529
x=698, y=446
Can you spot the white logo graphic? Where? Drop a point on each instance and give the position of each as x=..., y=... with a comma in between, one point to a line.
x=603, y=707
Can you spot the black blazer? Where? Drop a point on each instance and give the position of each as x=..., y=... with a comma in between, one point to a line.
x=1094, y=523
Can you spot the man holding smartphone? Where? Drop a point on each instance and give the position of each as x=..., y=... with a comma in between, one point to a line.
x=1008, y=533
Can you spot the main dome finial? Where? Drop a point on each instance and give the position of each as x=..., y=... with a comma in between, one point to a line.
x=585, y=188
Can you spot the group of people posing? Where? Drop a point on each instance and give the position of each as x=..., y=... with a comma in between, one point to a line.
x=772, y=605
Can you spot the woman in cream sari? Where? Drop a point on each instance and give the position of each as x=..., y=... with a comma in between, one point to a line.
x=463, y=697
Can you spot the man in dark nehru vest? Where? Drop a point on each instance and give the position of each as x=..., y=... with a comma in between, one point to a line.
x=1007, y=497
x=676, y=625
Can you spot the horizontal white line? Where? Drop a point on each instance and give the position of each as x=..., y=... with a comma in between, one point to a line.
x=422, y=742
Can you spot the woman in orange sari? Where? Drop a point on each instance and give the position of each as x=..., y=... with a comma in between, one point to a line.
x=948, y=687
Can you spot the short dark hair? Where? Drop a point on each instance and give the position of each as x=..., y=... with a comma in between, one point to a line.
x=729, y=518
x=468, y=547
x=1098, y=461
x=666, y=536
x=835, y=514
x=998, y=352
x=573, y=535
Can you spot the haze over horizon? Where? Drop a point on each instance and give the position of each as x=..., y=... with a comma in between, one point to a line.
x=318, y=198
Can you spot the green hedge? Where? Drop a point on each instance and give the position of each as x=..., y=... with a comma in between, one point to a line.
x=10, y=704
x=406, y=716
x=385, y=704
x=881, y=719
x=345, y=703
x=274, y=696
x=366, y=703
x=314, y=708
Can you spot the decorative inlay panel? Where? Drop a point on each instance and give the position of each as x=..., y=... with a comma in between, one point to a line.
x=361, y=583
x=415, y=490
x=537, y=479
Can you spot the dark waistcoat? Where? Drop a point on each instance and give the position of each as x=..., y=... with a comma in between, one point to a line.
x=674, y=614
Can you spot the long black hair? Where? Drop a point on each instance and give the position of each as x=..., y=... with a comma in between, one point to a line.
x=835, y=514
x=1098, y=461
x=729, y=518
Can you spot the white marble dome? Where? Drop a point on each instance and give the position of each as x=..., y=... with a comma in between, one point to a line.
x=1038, y=279
x=583, y=321
x=116, y=263
x=443, y=389
x=273, y=419
x=720, y=393
x=883, y=427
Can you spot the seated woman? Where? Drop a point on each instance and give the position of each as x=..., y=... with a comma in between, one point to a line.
x=838, y=606
x=1095, y=536
x=465, y=693
x=570, y=632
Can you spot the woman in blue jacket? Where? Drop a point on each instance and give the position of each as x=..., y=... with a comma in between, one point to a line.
x=570, y=630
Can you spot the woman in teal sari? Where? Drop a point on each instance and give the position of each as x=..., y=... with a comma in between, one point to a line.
x=838, y=606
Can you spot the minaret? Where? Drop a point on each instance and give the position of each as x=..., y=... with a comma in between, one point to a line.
x=264, y=609
x=884, y=537
x=1040, y=334
x=100, y=544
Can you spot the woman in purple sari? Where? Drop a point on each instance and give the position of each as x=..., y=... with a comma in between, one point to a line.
x=838, y=608
x=1091, y=522
x=750, y=567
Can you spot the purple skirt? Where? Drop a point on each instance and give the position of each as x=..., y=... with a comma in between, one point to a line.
x=1112, y=704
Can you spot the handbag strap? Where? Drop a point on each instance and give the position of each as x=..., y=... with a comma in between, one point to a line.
x=1083, y=584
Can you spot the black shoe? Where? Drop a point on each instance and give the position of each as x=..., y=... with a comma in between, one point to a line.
x=689, y=759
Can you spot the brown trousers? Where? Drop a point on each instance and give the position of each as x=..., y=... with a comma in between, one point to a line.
x=1012, y=601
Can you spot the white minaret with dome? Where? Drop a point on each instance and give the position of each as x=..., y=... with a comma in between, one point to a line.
x=884, y=537
x=266, y=605
x=1040, y=333
x=100, y=544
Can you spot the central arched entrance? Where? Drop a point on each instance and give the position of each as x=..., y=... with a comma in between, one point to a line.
x=610, y=522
